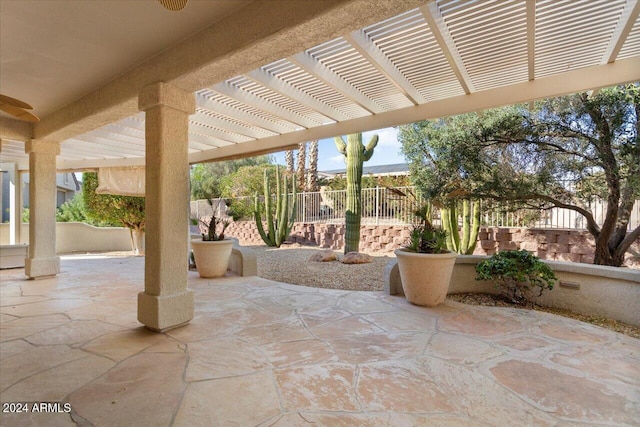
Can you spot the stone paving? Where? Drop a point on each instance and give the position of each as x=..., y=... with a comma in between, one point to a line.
x=262, y=353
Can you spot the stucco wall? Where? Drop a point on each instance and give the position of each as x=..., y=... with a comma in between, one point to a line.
x=586, y=289
x=79, y=237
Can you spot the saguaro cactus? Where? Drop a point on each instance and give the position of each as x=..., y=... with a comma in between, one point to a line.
x=466, y=243
x=280, y=217
x=356, y=154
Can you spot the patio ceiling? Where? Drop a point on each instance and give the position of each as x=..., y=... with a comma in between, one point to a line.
x=439, y=58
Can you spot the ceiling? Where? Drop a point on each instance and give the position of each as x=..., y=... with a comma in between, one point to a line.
x=316, y=74
x=54, y=52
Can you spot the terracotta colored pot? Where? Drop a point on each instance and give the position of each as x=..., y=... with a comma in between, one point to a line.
x=212, y=258
x=425, y=277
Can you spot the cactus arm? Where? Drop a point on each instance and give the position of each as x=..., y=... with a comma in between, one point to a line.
x=292, y=212
x=475, y=228
x=281, y=217
x=256, y=215
x=444, y=219
x=449, y=216
x=340, y=145
x=268, y=203
x=368, y=151
x=453, y=226
x=466, y=226
x=277, y=212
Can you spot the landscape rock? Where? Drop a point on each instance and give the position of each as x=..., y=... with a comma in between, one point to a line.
x=323, y=256
x=356, y=258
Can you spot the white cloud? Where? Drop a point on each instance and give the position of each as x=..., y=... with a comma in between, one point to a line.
x=388, y=137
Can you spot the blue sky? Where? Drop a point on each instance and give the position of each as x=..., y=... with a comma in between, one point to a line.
x=387, y=152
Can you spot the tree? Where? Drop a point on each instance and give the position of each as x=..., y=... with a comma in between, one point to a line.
x=561, y=154
x=206, y=178
x=355, y=154
x=75, y=210
x=242, y=186
x=302, y=160
x=288, y=157
x=312, y=173
x=124, y=211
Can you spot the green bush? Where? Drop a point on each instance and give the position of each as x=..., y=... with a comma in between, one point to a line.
x=517, y=274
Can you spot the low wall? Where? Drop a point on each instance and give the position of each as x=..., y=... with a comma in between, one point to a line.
x=79, y=237
x=547, y=244
x=586, y=289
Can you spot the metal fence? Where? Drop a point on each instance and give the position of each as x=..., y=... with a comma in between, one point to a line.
x=381, y=205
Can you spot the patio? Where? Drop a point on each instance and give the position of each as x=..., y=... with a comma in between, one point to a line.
x=259, y=352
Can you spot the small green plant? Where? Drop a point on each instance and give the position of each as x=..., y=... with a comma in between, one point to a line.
x=211, y=226
x=517, y=274
x=424, y=238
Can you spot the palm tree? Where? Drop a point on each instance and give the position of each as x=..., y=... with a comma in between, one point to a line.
x=312, y=174
x=288, y=157
x=302, y=159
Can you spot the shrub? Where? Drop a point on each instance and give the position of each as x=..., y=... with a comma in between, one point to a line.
x=517, y=274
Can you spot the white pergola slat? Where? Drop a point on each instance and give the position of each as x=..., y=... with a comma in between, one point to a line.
x=256, y=121
x=325, y=74
x=436, y=22
x=444, y=57
x=369, y=50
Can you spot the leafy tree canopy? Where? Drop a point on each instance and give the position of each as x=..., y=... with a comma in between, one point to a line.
x=246, y=181
x=75, y=210
x=109, y=209
x=559, y=154
x=206, y=178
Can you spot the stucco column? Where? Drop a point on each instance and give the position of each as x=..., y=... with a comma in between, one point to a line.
x=166, y=302
x=42, y=260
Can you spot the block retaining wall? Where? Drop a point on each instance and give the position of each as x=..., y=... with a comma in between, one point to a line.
x=549, y=244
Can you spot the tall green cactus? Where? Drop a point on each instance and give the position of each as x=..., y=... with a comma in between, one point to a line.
x=466, y=243
x=279, y=218
x=356, y=154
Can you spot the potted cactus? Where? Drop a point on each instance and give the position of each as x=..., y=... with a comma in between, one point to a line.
x=213, y=252
x=425, y=263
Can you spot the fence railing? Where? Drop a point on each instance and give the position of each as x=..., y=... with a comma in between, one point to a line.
x=381, y=205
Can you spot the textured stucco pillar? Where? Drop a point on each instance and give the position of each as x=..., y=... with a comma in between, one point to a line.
x=42, y=260
x=166, y=302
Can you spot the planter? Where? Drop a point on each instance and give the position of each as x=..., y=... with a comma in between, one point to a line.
x=425, y=277
x=212, y=258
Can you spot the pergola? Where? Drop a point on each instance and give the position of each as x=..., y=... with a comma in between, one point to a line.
x=130, y=84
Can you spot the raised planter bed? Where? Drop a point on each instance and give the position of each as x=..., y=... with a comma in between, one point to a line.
x=582, y=288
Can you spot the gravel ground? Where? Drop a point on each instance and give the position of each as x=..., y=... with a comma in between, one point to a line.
x=290, y=264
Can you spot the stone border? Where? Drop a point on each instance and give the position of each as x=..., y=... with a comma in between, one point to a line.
x=582, y=288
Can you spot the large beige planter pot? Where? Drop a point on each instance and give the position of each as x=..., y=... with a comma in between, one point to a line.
x=212, y=258
x=425, y=277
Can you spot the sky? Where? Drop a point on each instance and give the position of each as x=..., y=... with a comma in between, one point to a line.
x=387, y=151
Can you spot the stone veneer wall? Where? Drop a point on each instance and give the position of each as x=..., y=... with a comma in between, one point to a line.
x=549, y=244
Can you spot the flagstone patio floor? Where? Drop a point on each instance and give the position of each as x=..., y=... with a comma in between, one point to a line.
x=262, y=353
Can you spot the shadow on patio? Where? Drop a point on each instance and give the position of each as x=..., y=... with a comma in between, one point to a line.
x=265, y=353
